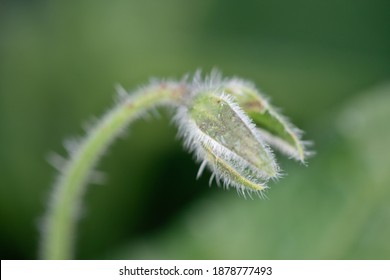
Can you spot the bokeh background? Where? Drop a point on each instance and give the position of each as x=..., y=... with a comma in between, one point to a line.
x=326, y=63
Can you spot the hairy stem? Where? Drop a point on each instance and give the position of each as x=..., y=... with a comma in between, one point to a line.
x=60, y=223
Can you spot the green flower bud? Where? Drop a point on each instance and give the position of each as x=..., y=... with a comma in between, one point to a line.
x=223, y=138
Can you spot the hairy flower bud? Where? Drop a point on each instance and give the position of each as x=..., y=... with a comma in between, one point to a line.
x=223, y=137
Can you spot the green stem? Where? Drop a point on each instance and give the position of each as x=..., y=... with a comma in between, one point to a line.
x=60, y=222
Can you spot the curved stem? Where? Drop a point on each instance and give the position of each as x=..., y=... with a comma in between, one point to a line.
x=60, y=222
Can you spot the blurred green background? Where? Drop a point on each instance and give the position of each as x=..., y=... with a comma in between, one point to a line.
x=326, y=63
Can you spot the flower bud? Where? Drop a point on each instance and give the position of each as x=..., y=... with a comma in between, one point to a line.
x=223, y=137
